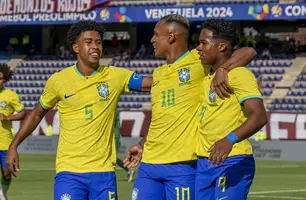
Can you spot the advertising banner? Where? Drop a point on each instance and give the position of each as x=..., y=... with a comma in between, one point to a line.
x=135, y=124
x=61, y=13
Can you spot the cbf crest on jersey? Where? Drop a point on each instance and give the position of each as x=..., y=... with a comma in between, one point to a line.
x=103, y=90
x=66, y=197
x=3, y=104
x=184, y=76
x=212, y=97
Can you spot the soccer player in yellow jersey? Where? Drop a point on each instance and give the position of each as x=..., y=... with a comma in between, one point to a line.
x=167, y=170
x=86, y=95
x=226, y=166
x=9, y=104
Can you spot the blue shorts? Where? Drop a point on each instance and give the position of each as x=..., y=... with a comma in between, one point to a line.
x=2, y=159
x=165, y=181
x=85, y=186
x=230, y=181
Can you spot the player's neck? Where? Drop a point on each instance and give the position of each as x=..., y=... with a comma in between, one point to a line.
x=220, y=61
x=176, y=54
x=86, y=70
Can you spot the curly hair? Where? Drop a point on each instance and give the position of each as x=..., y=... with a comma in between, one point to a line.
x=80, y=27
x=7, y=72
x=222, y=29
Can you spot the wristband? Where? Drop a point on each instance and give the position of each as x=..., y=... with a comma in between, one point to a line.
x=232, y=137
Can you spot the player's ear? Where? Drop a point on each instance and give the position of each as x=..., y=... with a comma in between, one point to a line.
x=75, y=48
x=171, y=38
x=222, y=47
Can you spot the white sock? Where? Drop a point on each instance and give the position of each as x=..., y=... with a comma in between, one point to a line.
x=1, y=193
x=5, y=186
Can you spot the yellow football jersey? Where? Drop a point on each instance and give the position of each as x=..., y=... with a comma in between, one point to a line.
x=175, y=100
x=9, y=103
x=220, y=117
x=86, y=107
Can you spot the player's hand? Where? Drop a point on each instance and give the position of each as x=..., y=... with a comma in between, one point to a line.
x=220, y=84
x=2, y=117
x=134, y=156
x=12, y=160
x=219, y=151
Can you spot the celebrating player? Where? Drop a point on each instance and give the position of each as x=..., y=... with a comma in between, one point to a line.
x=86, y=95
x=9, y=103
x=168, y=166
x=226, y=166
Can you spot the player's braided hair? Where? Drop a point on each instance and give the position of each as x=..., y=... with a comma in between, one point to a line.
x=222, y=30
x=80, y=27
x=7, y=72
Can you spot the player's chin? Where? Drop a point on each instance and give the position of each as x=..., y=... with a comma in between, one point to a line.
x=204, y=61
x=94, y=60
x=158, y=54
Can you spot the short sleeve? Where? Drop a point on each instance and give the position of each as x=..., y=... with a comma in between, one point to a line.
x=49, y=97
x=124, y=75
x=16, y=103
x=244, y=84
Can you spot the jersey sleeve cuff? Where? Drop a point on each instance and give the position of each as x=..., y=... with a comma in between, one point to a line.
x=20, y=110
x=249, y=97
x=42, y=105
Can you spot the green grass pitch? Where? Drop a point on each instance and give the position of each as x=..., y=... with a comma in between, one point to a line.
x=274, y=180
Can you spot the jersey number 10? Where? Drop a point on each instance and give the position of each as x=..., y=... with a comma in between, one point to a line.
x=182, y=193
x=168, y=98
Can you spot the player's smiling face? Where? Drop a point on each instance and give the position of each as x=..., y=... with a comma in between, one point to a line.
x=207, y=47
x=160, y=39
x=89, y=47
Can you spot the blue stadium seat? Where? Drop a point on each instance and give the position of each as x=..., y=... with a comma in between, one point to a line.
x=291, y=107
x=277, y=106
x=284, y=107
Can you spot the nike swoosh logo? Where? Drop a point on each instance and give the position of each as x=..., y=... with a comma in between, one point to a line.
x=68, y=96
x=154, y=84
x=221, y=198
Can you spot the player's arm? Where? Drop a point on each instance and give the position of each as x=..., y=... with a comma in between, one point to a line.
x=257, y=118
x=241, y=57
x=140, y=83
x=146, y=84
x=14, y=117
x=18, y=107
x=29, y=125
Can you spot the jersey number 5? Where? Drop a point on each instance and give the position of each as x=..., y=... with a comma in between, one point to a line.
x=88, y=112
x=168, y=98
x=202, y=112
